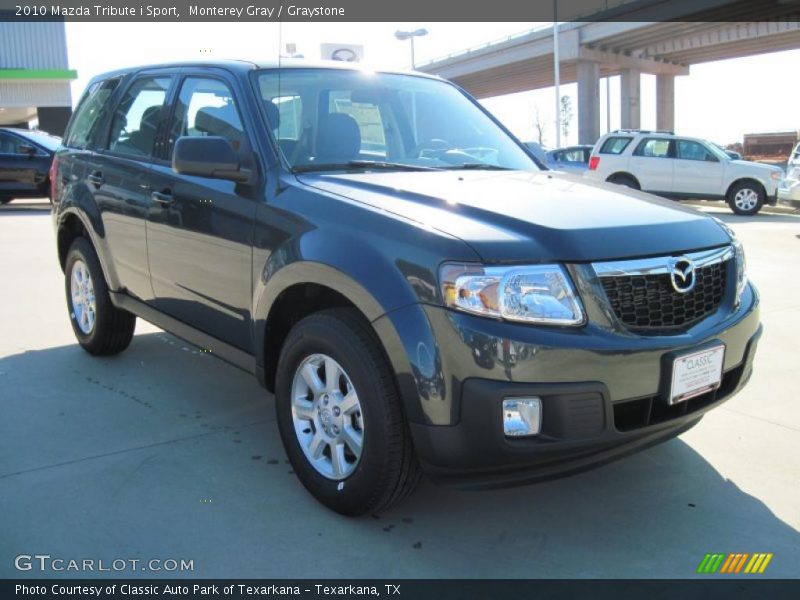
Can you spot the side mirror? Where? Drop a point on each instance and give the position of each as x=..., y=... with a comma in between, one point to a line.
x=26, y=149
x=211, y=156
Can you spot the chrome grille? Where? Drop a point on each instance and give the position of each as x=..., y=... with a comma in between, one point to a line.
x=643, y=298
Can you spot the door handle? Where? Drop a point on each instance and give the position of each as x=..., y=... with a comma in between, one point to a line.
x=164, y=197
x=96, y=179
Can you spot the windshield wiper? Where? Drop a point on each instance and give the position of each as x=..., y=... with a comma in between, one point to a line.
x=477, y=167
x=362, y=164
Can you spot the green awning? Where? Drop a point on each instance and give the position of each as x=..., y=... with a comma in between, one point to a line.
x=38, y=74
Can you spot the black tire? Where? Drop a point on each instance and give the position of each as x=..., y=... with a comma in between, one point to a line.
x=387, y=470
x=5, y=200
x=626, y=180
x=748, y=188
x=113, y=328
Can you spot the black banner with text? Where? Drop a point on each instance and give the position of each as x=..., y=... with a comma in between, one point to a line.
x=408, y=10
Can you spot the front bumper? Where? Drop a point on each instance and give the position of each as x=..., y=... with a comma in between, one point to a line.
x=581, y=429
x=601, y=389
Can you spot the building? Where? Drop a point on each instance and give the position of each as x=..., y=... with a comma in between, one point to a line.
x=779, y=143
x=35, y=76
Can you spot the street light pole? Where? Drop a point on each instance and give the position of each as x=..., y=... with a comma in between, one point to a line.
x=556, y=73
x=410, y=35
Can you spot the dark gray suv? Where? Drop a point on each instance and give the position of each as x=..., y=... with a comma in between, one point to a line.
x=417, y=290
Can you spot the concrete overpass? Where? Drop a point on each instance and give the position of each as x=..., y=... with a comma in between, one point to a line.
x=591, y=50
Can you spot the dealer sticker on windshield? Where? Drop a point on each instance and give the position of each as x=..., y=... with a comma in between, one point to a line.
x=696, y=374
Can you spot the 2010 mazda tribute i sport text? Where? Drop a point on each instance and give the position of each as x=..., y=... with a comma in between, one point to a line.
x=419, y=293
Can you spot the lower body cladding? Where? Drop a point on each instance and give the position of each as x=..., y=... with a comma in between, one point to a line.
x=599, y=393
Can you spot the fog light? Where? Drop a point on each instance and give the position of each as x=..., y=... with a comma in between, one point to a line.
x=522, y=416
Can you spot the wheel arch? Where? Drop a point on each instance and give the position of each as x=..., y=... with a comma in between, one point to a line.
x=744, y=179
x=70, y=227
x=298, y=290
x=625, y=175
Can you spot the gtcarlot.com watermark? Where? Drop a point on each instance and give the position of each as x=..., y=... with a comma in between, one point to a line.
x=45, y=563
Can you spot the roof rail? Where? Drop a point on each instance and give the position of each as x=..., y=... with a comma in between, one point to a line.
x=664, y=131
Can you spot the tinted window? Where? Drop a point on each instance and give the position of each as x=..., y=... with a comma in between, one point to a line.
x=133, y=128
x=206, y=108
x=688, y=150
x=653, y=148
x=615, y=145
x=89, y=112
x=9, y=144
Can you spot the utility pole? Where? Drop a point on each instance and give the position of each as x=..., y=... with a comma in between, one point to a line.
x=557, y=72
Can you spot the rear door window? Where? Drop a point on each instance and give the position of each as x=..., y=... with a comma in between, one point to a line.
x=653, y=148
x=136, y=119
x=615, y=145
x=89, y=113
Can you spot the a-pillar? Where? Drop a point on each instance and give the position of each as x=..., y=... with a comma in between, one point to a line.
x=630, y=99
x=588, y=102
x=665, y=102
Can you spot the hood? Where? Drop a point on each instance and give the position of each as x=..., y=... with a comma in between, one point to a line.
x=515, y=216
x=765, y=167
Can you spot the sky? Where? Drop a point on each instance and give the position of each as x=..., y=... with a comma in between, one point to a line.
x=720, y=101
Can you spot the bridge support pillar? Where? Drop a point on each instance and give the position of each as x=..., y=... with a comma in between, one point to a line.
x=665, y=102
x=630, y=99
x=588, y=102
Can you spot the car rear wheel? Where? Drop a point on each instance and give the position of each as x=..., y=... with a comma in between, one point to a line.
x=339, y=415
x=100, y=327
x=746, y=198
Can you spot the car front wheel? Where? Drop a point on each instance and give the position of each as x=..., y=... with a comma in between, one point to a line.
x=340, y=417
x=746, y=198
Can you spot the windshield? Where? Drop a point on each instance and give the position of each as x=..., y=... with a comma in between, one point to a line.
x=717, y=151
x=327, y=119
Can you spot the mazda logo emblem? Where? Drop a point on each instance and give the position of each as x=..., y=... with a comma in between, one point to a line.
x=681, y=274
x=344, y=55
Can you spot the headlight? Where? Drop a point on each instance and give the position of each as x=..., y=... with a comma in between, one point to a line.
x=741, y=269
x=532, y=294
x=741, y=261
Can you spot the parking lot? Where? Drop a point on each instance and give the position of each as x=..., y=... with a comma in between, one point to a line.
x=166, y=452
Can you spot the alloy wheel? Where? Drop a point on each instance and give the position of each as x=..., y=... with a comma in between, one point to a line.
x=746, y=199
x=327, y=418
x=84, y=305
